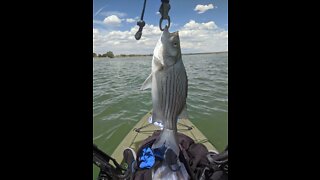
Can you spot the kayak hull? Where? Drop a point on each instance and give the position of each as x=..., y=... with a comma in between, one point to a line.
x=143, y=129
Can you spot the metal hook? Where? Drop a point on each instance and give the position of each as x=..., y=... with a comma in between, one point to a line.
x=160, y=23
x=141, y=24
x=164, y=11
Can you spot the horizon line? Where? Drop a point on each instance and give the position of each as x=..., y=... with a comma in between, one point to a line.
x=182, y=53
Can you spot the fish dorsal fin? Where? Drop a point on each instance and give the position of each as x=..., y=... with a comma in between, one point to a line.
x=147, y=83
x=184, y=113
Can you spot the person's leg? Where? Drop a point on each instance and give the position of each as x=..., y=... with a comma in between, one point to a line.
x=130, y=157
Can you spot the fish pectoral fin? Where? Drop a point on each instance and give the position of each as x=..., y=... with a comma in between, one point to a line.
x=159, y=64
x=184, y=113
x=147, y=83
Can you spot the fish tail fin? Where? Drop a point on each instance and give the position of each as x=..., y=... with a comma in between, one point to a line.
x=168, y=139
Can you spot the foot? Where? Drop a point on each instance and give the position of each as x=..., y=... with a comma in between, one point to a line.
x=129, y=156
x=172, y=160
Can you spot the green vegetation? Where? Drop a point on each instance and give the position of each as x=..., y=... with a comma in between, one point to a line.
x=108, y=54
x=132, y=55
x=111, y=55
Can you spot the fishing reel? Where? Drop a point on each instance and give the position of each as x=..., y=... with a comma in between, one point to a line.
x=217, y=168
x=107, y=170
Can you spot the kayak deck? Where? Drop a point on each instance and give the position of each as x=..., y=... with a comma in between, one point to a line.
x=143, y=129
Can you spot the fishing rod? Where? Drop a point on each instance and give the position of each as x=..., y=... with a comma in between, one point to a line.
x=108, y=171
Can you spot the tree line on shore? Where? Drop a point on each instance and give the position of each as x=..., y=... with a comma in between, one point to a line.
x=110, y=54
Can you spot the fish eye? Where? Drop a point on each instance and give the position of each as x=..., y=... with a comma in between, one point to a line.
x=175, y=44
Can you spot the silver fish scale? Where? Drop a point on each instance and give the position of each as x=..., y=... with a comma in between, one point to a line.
x=171, y=95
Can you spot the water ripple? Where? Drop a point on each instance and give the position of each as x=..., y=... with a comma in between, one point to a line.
x=119, y=104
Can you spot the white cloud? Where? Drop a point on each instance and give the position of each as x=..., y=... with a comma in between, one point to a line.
x=203, y=8
x=194, y=37
x=97, y=38
x=203, y=37
x=109, y=13
x=130, y=20
x=112, y=20
x=194, y=25
x=123, y=42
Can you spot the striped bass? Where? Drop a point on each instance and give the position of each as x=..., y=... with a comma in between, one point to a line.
x=169, y=87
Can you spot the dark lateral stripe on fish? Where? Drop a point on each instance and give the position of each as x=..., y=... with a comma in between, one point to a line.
x=180, y=95
x=174, y=93
x=163, y=99
x=176, y=97
x=163, y=102
x=167, y=93
x=168, y=107
x=173, y=90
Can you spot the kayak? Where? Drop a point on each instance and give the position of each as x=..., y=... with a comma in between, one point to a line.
x=143, y=129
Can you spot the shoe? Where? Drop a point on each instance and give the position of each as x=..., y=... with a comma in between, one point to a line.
x=172, y=160
x=129, y=157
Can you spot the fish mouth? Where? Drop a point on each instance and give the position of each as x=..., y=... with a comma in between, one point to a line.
x=166, y=31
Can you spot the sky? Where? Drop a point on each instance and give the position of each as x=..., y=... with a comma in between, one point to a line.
x=202, y=25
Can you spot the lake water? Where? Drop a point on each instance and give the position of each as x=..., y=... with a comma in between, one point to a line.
x=118, y=104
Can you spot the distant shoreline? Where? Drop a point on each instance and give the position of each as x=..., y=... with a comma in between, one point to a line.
x=205, y=53
x=140, y=55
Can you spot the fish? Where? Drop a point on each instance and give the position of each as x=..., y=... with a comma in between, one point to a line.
x=169, y=89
